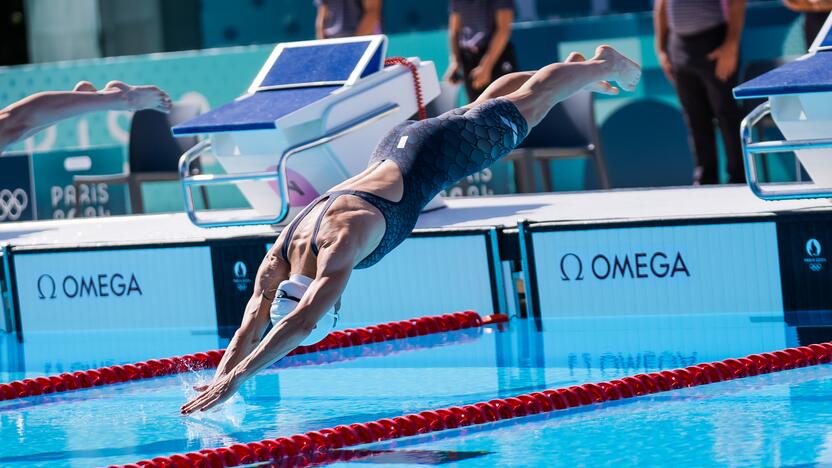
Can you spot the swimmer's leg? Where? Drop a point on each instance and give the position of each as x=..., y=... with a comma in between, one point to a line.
x=502, y=86
x=490, y=130
x=556, y=82
x=511, y=82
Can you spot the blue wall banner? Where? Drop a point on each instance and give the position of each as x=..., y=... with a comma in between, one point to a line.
x=697, y=269
x=133, y=288
x=424, y=276
x=16, y=196
x=55, y=193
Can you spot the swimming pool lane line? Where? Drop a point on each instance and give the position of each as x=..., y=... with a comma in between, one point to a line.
x=210, y=359
x=317, y=447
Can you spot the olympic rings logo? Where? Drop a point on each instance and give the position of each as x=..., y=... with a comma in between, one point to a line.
x=12, y=204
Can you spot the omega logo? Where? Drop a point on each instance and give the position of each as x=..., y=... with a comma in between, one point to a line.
x=101, y=285
x=639, y=265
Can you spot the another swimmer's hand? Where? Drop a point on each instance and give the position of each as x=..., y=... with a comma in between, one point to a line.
x=218, y=392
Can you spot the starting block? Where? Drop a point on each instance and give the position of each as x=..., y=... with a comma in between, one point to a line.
x=799, y=100
x=329, y=102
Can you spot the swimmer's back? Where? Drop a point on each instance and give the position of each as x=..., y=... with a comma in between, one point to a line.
x=431, y=155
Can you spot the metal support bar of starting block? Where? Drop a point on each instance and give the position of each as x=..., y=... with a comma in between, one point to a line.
x=191, y=181
x=750, y=149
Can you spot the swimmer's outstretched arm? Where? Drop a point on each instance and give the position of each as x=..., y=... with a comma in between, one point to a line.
x=335, y=264
x=38, y=111
x=273, y=269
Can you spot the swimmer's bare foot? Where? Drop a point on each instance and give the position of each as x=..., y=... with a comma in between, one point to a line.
x=84, y=86
x=601, y=87
x=623, y=71
x=140, y=97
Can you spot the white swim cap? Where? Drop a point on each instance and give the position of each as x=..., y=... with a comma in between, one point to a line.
x=289, y=293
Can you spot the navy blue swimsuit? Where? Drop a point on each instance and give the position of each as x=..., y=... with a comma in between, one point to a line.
x=432, y=154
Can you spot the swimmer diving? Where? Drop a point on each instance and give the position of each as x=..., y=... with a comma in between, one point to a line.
x=354, y=225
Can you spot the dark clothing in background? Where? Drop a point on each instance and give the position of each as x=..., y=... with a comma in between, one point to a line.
x=705, y=98
x=812, y=22
x=693, y=16
x=478, y=18
x=478, y=21
x=507, y=63
x=343, y=17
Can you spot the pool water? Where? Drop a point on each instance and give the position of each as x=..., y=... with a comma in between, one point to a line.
x=128, y=422
x=782, y=419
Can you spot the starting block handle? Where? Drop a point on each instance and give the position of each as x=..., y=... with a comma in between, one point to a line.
x=751, y=148
x=279, y=175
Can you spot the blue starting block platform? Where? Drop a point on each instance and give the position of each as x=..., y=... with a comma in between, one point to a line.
x=332, y=100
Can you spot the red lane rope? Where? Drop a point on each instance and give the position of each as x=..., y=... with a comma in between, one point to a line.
x=210, y=359
x=417, y=82
x=321, y=446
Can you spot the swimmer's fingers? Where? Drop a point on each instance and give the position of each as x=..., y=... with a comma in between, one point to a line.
x=209, y=403
x=213, y=399
x=215, y=394
x=196, y=404
x=200, y=388
x=186, y=408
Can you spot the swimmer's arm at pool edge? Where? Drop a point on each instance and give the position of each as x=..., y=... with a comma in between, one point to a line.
x=335, y=264
x=273, y=269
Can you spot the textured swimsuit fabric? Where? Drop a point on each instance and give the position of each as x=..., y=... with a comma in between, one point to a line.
x=437, y=153
x=432, y=154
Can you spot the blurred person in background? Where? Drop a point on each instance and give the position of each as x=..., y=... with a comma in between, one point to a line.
x=346, y=18
x=814, y=12
x=32, y=114
x=479, y=33
x=697, y=44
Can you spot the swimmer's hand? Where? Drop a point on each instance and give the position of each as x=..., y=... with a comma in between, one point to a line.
x=214, y=394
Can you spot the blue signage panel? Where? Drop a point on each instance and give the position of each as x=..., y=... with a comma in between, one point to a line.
x=423, y=276
x=701, y=269
x=452, y=274
x=116, y=289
